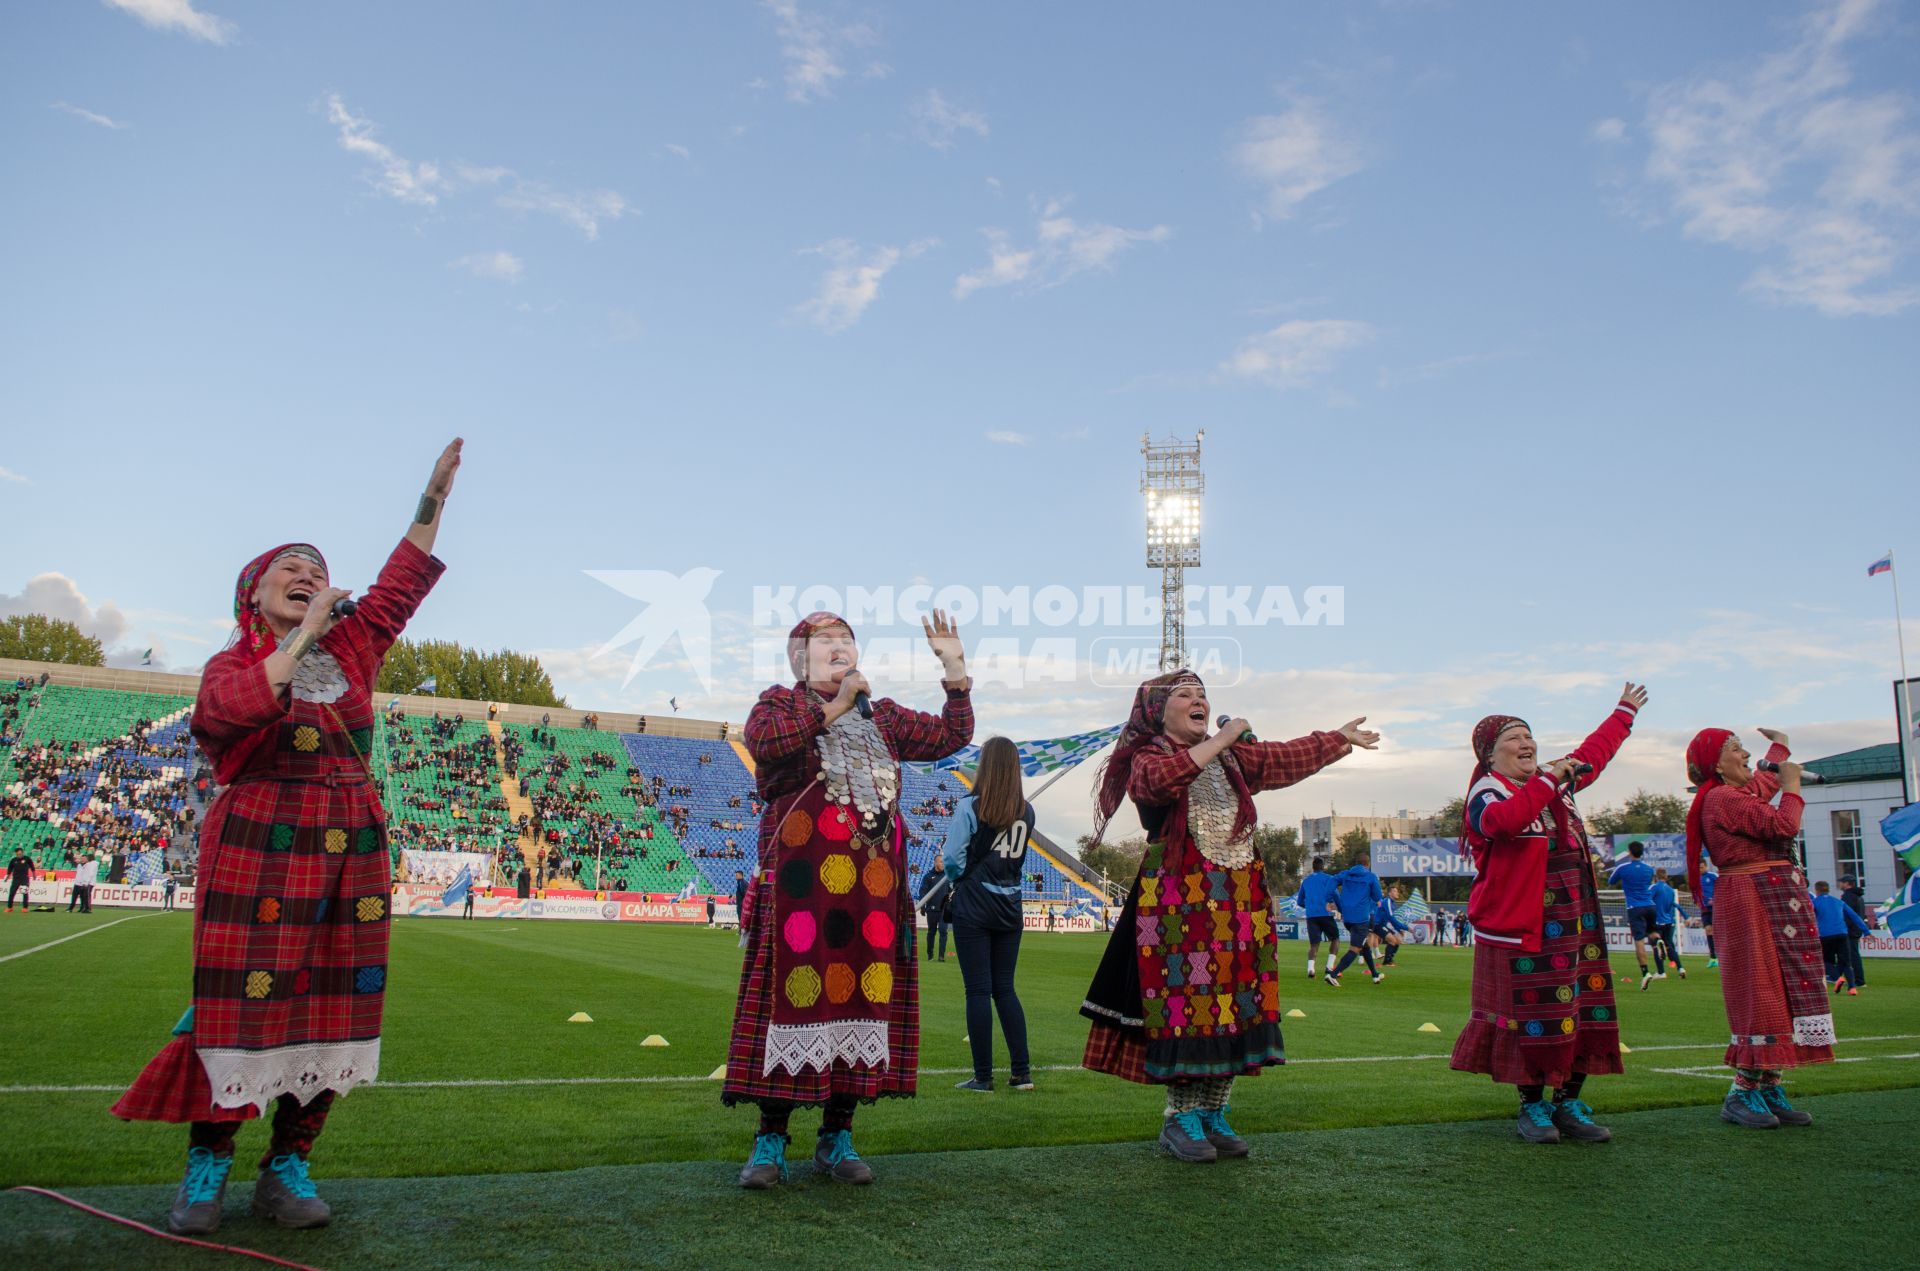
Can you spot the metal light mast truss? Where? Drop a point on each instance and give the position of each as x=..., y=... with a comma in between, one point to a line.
x=1172, y=481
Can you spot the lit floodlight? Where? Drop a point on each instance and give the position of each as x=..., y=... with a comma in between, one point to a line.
x=1173, y=484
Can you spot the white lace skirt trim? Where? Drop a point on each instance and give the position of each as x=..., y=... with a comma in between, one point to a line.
x=258, y=1077
x=798, y=1047
x=1813, y=1030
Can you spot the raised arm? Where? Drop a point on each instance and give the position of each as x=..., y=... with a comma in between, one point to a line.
x=1604, y=742
x=426, y=516
x=395, y=596
x=1766, y=784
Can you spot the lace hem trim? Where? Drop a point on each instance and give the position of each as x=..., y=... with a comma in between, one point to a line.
x=861, y=1043
x=258, y=1077
x=1813, y=1030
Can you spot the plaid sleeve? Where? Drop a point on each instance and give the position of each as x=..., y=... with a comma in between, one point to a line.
x=1159, y=775
x=235, y=700
x=1273, y=765
x=1765, y=785
x=783, y=723
x=1749, y=816
x=404, y=582
x=920, y=737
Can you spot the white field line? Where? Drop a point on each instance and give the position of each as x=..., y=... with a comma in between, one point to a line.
x=487, y=1082
x=1719, y=1073
x=76, y=935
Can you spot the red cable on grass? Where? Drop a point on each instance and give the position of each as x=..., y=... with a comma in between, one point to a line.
x=164, y=1235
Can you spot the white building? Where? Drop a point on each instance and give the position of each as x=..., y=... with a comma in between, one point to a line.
x=1840, y=833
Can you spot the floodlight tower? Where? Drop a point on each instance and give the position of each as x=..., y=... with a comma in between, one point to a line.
x=1173, y=483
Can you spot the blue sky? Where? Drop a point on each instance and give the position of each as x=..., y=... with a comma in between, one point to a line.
x=1574, y=344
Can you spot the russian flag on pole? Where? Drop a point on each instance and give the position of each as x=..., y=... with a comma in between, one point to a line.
x=1902, y=831
x=1881, y=566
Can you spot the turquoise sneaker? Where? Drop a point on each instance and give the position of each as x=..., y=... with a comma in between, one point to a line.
x=1225, y=1142
x=1574, y=1119
x=285, y=1195
x=196, y=1206
x=1184, y=1136
x=834, y=1156
x=1748, y=1108
x=1536, y=1123
x=1786, y=1113
x=767, y=1165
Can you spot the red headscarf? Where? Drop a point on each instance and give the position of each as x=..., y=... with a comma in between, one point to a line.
x=252, y=636
x=1486, y=734
x=803, y=631
x=1703, y=769
x=1143, y=727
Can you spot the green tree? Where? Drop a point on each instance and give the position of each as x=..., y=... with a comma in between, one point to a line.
x=1449, y=817
x=34, y=637
x=1118, y=860
x=473, y=674
x=1354, y=844
x=1643, y=813
x=1284, y=855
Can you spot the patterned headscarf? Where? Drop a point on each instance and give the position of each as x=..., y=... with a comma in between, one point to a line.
x=1703, y=769
x=252, y=635
x=1486, y=735
x=803, y=631
x=1143, y=725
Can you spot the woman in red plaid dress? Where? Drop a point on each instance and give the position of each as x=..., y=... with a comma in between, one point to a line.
x=829, y=1007
x=1188, y=995
x=1771, y=973
x=291, y=913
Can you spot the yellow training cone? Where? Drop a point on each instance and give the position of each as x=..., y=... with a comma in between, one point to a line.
x=1296, y=1013
x=579, y=1017
x=1428, y=1028
x=654, y=1039
x=718, y=1074
x=1624, y=1050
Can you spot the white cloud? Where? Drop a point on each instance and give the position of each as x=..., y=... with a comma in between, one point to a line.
x=1004, y=438
x=814, y=49
x=409, y=182
x=92, y=117
x=1295, y=154
x=1063, y=247
x=425, y=182
x=58, y=596
x=1296, y=353
x=498, y=266
x=937, y=121
x=679, y=150
x=8, y=474
x=178, y=15
x=1785, y=159
x=853, y=281
x=1609, y=131
x=583, y=211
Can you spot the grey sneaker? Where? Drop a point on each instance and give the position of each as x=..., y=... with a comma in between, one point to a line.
x=1536, y=1123
x=196, y=1206
x=1783, y=1111
x=1226, y=1143
x=1185, y=1138
x=1022, y=1083
x=286, y=1195
x=834, y=1156
x=767, y=1165
x=1574, y=1119
x=1748, y=1108
x=974, y=1083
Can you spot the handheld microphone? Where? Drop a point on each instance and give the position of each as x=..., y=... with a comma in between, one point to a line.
x=344, y=607
x=1245, y=734
x=1806, y=778
x=861, y=704
x=1578, y=771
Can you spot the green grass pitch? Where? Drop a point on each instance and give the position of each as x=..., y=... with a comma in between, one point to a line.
x=503, y=1135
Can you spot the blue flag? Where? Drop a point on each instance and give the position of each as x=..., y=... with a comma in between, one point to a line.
x=1901, y=913
x=456, y=892
x=429, y=685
